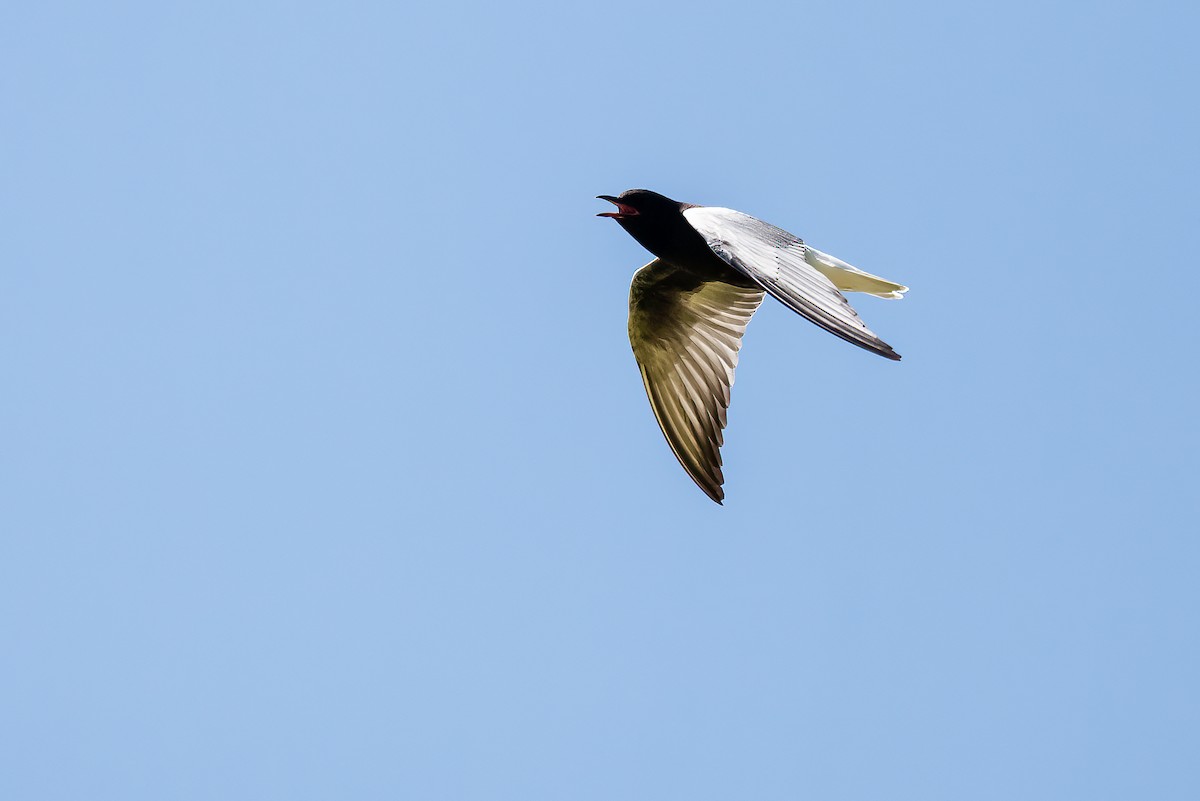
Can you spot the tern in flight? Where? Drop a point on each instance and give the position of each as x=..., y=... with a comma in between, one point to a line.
x=689, y=307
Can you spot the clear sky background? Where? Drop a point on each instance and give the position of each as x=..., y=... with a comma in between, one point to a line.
x=326, y=471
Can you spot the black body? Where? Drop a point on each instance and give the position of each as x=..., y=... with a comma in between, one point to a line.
x=658, y=225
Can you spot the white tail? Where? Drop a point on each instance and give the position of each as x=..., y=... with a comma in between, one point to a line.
x=849, y=278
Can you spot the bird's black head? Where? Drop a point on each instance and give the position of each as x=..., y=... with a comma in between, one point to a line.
x=655, y=221
x=640, y=203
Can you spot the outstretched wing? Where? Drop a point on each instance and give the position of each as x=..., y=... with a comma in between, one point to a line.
x=774, y=259
x=686, y=332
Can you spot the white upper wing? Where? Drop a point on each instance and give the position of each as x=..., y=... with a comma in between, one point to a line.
x=775, y=260
x=686, y=333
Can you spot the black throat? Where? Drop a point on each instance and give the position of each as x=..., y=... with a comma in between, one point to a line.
x=666, y=233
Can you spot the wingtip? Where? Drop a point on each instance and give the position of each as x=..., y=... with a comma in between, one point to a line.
x=881, y=348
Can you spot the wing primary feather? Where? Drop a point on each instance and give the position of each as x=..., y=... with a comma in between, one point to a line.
x=685, y=330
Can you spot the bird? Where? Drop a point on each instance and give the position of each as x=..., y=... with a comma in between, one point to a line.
x=690, y=305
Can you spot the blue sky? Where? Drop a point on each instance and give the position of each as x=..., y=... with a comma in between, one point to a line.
x=327, y=472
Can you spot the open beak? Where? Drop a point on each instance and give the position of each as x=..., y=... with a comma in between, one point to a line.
x=622, y=211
